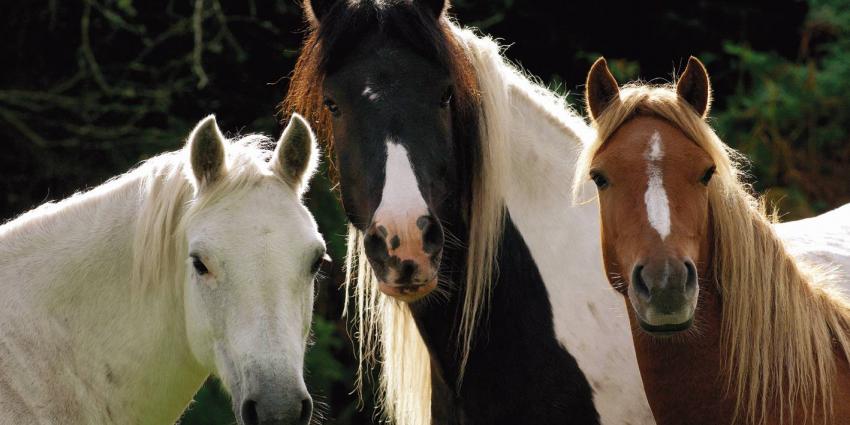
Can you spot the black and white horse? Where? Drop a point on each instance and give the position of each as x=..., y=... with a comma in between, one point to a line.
x=475, y=279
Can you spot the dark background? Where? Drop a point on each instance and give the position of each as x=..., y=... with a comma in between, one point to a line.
x=90, y=88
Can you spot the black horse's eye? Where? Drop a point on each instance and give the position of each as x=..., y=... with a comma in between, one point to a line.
x=199, y=266
x=331, y=106
x=446, y=100
x=317, y=264
x=706, y=177
x=599, y=179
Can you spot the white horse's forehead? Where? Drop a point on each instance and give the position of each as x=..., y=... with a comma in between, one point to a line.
x=268, y=211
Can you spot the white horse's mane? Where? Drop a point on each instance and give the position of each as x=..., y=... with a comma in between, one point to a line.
x=165, y=189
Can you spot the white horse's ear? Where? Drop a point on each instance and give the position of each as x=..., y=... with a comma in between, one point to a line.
x=601, y=88
x=694, y=87
x=206, y=152
x=296, y=156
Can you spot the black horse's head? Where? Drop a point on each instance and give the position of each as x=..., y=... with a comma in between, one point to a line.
x=397, y=97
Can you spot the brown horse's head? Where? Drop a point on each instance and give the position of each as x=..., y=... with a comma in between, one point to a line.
x=652, y=181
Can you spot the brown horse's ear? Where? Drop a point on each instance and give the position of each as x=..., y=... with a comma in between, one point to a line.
x=601, y=88
x=437, y=7
x=317, y=9
x=694, y=87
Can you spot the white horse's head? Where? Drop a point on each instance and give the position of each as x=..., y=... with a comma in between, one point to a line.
x=253, y=251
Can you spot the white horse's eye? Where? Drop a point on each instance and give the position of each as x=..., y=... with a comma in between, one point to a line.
x=199, y=266
x=321, y=259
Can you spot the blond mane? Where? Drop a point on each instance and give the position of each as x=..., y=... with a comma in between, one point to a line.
x=168, y=202
x=781, y=321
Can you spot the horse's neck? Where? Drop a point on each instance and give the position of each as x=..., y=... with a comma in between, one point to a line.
x=684, y=378
x=78, y=343
x=547, y=389
x=563, y=239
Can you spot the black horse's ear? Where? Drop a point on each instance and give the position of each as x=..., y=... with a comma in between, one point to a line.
x=317, y=9
x=437, y=7
x=694, y=87
x=601, y=88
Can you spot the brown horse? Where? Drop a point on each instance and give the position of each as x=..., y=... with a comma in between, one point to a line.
x=727, y=325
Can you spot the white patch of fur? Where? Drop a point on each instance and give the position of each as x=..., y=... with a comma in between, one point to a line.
x=400, y=198
x=822, y=240
x=657, y=204
x=370, y=94
x=542, y=139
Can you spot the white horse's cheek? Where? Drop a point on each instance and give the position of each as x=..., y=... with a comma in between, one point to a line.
x=198, y=324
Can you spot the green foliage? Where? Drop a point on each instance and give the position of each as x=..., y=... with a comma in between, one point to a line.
x=323, y=369
x=792, y=117
x=211, y=406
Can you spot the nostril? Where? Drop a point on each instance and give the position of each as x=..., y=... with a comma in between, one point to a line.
x=375, y=245
x=692, y=274
x=639, y=283
x=306, y=411
x=249, y=413
x=432, y=234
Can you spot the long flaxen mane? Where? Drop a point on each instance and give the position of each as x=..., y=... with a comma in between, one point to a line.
x=165, y=189
x=385, y=330
x=781, y=321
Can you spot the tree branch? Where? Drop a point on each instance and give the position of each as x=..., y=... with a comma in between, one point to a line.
x=197, y=53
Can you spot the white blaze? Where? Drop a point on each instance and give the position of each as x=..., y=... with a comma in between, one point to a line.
x=401, y=194
x=657, y=205
x=370, y=94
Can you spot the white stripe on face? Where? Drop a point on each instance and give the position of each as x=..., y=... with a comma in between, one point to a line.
x=657, y=205
x=401, y=191
x=370, y=94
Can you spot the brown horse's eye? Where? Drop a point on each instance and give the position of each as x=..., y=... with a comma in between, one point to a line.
x=599, y=179
x=331, y=106
x=706, y=177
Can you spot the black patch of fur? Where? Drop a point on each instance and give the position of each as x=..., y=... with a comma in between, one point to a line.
x=518, y=373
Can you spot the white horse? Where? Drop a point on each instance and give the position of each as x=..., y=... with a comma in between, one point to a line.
x=116, y=304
